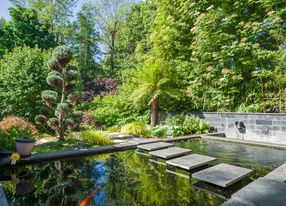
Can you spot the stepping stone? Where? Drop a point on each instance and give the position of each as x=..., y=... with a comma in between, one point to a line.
x=170, y=152
x=145, y=141
x=155, y=146
x=190, y=162
x=278, y=174
x=237, y=202
x=222, y=175
x=262, y=192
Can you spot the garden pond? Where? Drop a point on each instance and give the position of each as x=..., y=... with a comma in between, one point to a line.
x=129, y=178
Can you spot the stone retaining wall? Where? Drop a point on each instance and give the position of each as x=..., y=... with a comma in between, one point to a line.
x=264, y=127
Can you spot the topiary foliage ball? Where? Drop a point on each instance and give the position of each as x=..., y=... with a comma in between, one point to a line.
x=62, y=109
x=73, y=97
x=53, y=123
x=63, y=55
x=49, y=97
x=54, y=65
x=45, y=111
x=71, y=75
x=41, y=119
x=55, y=80
x=70, y=86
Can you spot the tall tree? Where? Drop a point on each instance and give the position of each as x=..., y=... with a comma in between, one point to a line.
x=86, y=41
x=55, y=13
x=155, y=83
x=24, y=28
x=28, y=30
x=6, y=37
x=133, y=40
x=110, y=14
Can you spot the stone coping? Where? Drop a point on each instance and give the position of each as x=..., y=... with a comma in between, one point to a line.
x=246, y=113
x=259, y=191
x=53, y=156
x=247, y=142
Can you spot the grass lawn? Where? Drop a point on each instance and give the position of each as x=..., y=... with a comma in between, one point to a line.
x=60, y=146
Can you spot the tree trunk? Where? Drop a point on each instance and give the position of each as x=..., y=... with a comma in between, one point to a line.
x=61, y=118
x=154, y=112
x=112, y=51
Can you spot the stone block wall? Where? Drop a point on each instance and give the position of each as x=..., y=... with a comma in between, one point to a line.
x=263, y=127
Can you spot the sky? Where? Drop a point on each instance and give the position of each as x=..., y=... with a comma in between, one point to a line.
x=5, y=4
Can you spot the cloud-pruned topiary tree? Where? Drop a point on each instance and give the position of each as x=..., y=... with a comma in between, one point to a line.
x=63, y=77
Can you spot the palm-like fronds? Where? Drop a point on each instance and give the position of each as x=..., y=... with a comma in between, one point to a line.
x=155, y=81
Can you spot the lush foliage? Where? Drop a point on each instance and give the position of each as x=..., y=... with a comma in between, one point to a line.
x=93, y=87
x=155, y=81
x=22, y=78
x=228, y=52
x=138, y=58
x=136, y=129
x=24, y=28
x=63, y=78
x=117, y=110
x=12, y=127
x=180, y=125
x=95, y=137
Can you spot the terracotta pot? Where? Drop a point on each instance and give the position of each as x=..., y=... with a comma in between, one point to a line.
x=24, y=146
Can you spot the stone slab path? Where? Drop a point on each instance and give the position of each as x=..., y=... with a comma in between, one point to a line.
x=155, y=146
x=191, y=161
x=139, y=141
x=278, y=174
x=222, y=175
x=267, y=190
x=262, y=192
x=170, y=152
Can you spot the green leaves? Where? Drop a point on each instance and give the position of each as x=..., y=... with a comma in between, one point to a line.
x=22, y=79
x=64, y=78
x=49, y=97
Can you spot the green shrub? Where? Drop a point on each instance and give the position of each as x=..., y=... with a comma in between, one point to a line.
x=196, y=125
x=136, y=129
x=117, y=110
x=22, y=78
x=95, y=137
x=159, y=131
x=179, y=125
x=13, y=127
x=113, y=129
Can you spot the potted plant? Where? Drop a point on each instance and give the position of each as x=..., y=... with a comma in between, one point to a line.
x=24, y=146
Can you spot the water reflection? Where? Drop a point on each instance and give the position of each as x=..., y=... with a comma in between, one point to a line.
x=128, y=178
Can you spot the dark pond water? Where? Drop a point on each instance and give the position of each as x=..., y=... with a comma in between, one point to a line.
x=129, y=178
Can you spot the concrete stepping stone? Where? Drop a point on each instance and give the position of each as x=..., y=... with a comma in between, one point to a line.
x=154, y=146
x=262, y=192
x=191, y=161
x=237, y=202
x=171, y=152
x=278, y=174
x=144, y=141
x=222, y=175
